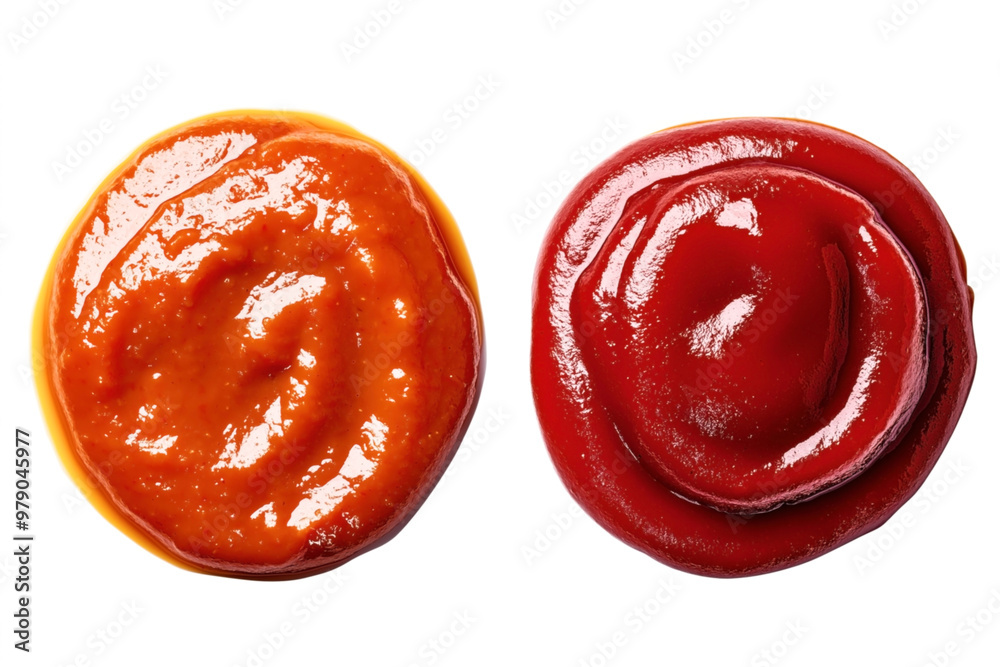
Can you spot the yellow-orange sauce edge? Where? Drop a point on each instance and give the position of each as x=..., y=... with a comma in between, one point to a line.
x=57, y=427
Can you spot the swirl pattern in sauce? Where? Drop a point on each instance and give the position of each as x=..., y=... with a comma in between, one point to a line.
x=741, y=357
x=264, y=343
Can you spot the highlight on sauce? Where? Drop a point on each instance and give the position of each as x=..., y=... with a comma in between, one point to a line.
x=261, y=344
x=751, y=340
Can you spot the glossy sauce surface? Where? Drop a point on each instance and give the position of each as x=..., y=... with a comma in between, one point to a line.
x=737, y=359
x=264, y=342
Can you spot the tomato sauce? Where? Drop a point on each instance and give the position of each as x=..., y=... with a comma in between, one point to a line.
x=261, y=343
x=752, y=339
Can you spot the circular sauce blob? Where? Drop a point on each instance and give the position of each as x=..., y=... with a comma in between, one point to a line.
x=262, y=344
x=751, y=340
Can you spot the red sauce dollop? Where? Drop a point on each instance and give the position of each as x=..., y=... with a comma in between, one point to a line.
x=263, y=343
x=751, y=340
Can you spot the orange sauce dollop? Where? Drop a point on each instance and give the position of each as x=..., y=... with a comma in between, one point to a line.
x=261, y=344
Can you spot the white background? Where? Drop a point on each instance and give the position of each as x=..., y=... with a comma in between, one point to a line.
x=478, y=548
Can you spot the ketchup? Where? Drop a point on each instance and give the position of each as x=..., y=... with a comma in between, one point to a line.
x=751, y=341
